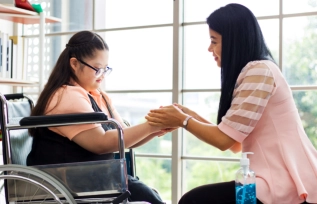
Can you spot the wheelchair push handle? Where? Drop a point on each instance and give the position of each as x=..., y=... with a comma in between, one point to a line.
x=14, y=96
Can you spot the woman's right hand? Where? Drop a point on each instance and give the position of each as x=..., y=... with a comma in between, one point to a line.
x=166, y=117
x=184, y=109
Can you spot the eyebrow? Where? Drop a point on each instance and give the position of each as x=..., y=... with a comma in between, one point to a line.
x=101, y=64
x=212, y=37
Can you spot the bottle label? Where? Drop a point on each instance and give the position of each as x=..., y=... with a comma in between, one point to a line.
x=245, y=194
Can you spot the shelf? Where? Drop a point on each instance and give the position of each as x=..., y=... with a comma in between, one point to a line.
x=14, y=82
x=23, y=16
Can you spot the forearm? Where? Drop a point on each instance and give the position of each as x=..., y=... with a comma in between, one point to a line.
x=99, y=141
x=210, y=134
x=199, y=118
x=138, y=135
x=142, y=142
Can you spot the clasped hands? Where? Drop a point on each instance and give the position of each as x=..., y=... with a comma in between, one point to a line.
x=168, y=118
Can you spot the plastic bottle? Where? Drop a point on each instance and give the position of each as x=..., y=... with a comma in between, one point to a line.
x=245, y=182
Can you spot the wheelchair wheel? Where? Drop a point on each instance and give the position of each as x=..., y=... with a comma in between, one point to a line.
x=22, y=184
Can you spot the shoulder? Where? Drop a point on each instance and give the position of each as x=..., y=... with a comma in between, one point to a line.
x=257, y=72
x=72, y=93
x=258, y=65
x=67, y=97
x=74, y=90
x=259, y=68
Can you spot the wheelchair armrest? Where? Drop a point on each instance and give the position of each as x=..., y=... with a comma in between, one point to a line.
x=72, y=119
x=14, y=96
x=63, y=118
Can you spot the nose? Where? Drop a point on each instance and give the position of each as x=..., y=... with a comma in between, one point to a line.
x=210, y=48
x=103, y=75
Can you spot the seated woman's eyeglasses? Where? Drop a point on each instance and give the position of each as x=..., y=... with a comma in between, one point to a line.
x=99, y=71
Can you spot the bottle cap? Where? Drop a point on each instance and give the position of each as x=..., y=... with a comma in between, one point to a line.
x=244, y=161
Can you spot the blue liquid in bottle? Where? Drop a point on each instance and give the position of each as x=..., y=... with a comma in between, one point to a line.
x=245, y=182
x=245, y=194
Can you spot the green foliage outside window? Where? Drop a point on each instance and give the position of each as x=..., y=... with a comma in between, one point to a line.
x=300, y=68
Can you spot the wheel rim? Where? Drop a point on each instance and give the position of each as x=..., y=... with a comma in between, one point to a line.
x=30, y=185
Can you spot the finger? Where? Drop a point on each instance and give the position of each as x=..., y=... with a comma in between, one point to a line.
x=172, y=129
x=152, y=119
x=160, y=135
x=156, y=115
x=157, y=110
x=155, y=124
x=179, y=105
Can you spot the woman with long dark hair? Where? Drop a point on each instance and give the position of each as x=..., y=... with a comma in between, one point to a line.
x=256, y=114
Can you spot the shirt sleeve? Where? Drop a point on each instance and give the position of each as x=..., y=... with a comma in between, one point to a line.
x=70, y=99
x=253, y=90
x=116, y=114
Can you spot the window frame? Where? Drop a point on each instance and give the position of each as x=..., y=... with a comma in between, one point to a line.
x=177, y=156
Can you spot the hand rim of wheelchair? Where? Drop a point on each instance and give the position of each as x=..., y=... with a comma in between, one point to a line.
x=39, y=174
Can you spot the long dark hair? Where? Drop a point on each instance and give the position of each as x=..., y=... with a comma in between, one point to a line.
x=242, y=42
x=81, y=45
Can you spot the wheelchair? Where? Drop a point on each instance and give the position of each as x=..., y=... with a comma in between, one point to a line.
x=81, y=182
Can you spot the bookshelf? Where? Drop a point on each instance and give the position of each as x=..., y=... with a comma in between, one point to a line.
x=18, y=15
x=16, y=82
x=23, y=16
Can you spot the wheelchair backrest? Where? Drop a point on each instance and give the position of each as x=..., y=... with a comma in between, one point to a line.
x=14, y=107
x=21, y=142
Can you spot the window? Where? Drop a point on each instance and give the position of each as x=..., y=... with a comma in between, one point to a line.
x=141, y=59
x=299, y=60
x=197, y=11
x=122, y=13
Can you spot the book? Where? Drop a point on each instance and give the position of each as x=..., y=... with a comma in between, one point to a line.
x=9, y=58
x=0, y=55
x=4, y=41
x=14, y=60
x=24, y=59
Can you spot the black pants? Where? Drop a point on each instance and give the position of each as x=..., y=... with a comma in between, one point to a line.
x=218, y=193
x=141, y=192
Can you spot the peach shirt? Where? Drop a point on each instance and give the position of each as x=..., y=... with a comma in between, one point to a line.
x=74, y=99
x=264, y=118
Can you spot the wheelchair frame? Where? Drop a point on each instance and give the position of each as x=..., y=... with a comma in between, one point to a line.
x=46, y=180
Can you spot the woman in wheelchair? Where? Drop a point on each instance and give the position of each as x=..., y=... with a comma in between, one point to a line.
x=74, y=87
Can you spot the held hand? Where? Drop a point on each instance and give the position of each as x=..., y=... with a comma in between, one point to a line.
x=184, y=109
x=158, y=134
x=164, y=131
x=166, y=117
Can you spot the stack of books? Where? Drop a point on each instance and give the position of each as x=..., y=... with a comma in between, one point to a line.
x=6, y=56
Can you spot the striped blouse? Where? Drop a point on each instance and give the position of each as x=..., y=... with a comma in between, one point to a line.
x=253, y=89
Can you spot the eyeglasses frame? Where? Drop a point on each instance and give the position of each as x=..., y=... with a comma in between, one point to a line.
x=107, y=70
